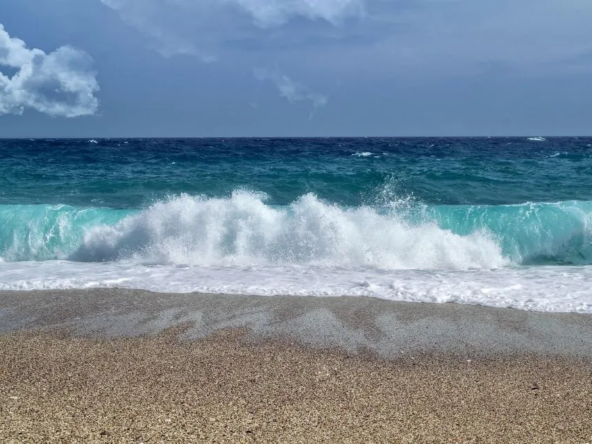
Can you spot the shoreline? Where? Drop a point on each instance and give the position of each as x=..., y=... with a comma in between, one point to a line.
x=385, y=328
x=133, y=366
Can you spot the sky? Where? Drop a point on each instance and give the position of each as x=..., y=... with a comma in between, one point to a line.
x=297, y=68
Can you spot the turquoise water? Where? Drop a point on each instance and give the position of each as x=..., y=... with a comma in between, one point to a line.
x=531, y=198
x=528, y=234
x=504, y=222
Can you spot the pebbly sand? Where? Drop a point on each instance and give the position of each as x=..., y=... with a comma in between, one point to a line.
x=133, y=366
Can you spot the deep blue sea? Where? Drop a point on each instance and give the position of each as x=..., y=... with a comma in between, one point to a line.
x=496, y=221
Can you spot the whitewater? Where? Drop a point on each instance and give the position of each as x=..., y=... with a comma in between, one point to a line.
x=422, y=220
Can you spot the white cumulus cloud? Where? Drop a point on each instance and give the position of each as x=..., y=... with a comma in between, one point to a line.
x=61, y=83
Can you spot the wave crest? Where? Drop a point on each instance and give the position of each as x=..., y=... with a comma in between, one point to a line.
x=244, y=230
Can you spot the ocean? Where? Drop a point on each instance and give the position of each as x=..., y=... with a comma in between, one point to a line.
x=503, y=222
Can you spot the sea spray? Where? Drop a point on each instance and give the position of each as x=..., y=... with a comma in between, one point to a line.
x=244, y=230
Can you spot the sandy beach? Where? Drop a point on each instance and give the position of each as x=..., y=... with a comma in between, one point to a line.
x=134, y=366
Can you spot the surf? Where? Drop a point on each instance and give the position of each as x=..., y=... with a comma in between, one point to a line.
x=244, y=229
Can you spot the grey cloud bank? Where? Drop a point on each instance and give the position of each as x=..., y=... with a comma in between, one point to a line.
x=420, y=31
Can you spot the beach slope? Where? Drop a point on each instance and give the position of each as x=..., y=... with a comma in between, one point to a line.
x=133, y=366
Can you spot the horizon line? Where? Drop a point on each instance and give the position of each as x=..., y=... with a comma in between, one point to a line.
x=291, y=137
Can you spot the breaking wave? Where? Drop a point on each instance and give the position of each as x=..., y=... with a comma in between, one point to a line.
x=244, y=230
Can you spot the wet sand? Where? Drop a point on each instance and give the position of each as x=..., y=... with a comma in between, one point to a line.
x=132, y=366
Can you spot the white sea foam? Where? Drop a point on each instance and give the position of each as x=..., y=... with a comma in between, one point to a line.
x=362, y=154
x=242, y=245
x=245, y=231
x=556, y=289
x=537, y=139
